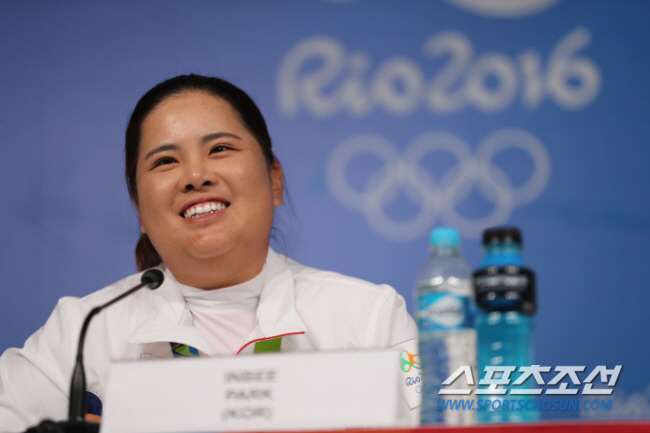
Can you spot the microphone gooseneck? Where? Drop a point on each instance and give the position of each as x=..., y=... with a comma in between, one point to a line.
x=152, y=278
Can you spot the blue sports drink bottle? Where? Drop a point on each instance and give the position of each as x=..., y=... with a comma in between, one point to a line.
x=504, y=289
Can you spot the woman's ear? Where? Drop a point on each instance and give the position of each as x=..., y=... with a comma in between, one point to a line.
x=277, y=183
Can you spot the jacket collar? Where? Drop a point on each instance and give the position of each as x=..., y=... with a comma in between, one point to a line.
x=170, y=321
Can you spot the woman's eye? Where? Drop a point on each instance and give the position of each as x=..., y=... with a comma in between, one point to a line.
x=164, y=161
x=219, y=148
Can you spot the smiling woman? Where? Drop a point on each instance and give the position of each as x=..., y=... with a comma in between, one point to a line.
x=202, y=175
x=164, y=109
x=197, y=156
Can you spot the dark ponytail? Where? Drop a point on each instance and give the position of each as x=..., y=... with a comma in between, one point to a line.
x=146, y=255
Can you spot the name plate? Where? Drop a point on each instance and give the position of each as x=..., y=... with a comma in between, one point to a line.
x=283, y=391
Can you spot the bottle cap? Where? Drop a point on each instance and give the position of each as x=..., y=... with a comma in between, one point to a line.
x=444, y=237
x=502, y=235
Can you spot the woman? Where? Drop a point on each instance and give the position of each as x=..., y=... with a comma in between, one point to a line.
x=203, y=177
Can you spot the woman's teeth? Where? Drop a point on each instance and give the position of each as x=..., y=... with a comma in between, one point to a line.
x=204, y=209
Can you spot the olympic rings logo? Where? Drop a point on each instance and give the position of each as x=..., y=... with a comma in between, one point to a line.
x=436, y=199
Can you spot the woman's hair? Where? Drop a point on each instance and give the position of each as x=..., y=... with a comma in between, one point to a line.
x=146, y=255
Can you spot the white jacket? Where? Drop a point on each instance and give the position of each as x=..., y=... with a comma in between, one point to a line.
x=311, y=309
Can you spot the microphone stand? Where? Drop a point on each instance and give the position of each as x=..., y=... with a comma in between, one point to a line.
x=76, y=422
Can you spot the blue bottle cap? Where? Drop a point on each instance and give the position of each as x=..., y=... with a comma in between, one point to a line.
x=444, y=237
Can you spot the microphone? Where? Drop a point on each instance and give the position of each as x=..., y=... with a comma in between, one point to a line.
x=152, y=278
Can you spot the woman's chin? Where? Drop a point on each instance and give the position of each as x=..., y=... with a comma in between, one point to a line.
x=210, y=251
x=213, y=251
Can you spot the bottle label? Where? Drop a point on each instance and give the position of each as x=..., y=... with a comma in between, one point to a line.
x=505, y=288
x=444, y=311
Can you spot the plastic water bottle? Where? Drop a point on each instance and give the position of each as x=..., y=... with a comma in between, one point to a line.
x=504, y=290
x=445, y=317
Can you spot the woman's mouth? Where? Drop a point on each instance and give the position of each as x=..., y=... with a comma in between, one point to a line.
x=202, y=209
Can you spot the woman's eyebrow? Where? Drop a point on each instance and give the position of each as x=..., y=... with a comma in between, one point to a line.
x=161, y=148
x=217, y=135
x=204, y=139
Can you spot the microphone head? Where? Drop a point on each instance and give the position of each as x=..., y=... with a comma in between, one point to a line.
x=152, y=278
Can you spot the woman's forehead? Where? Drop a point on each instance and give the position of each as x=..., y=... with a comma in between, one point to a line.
x=190, y=112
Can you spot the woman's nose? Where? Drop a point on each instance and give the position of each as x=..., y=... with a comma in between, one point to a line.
x=197, y=175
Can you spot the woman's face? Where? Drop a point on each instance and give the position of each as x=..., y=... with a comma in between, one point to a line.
x=205, y=191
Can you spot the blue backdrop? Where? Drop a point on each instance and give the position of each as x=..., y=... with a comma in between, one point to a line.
x=390, y=117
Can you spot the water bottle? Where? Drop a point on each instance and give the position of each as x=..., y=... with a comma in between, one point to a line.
x=504, y=290
x=445, y=317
